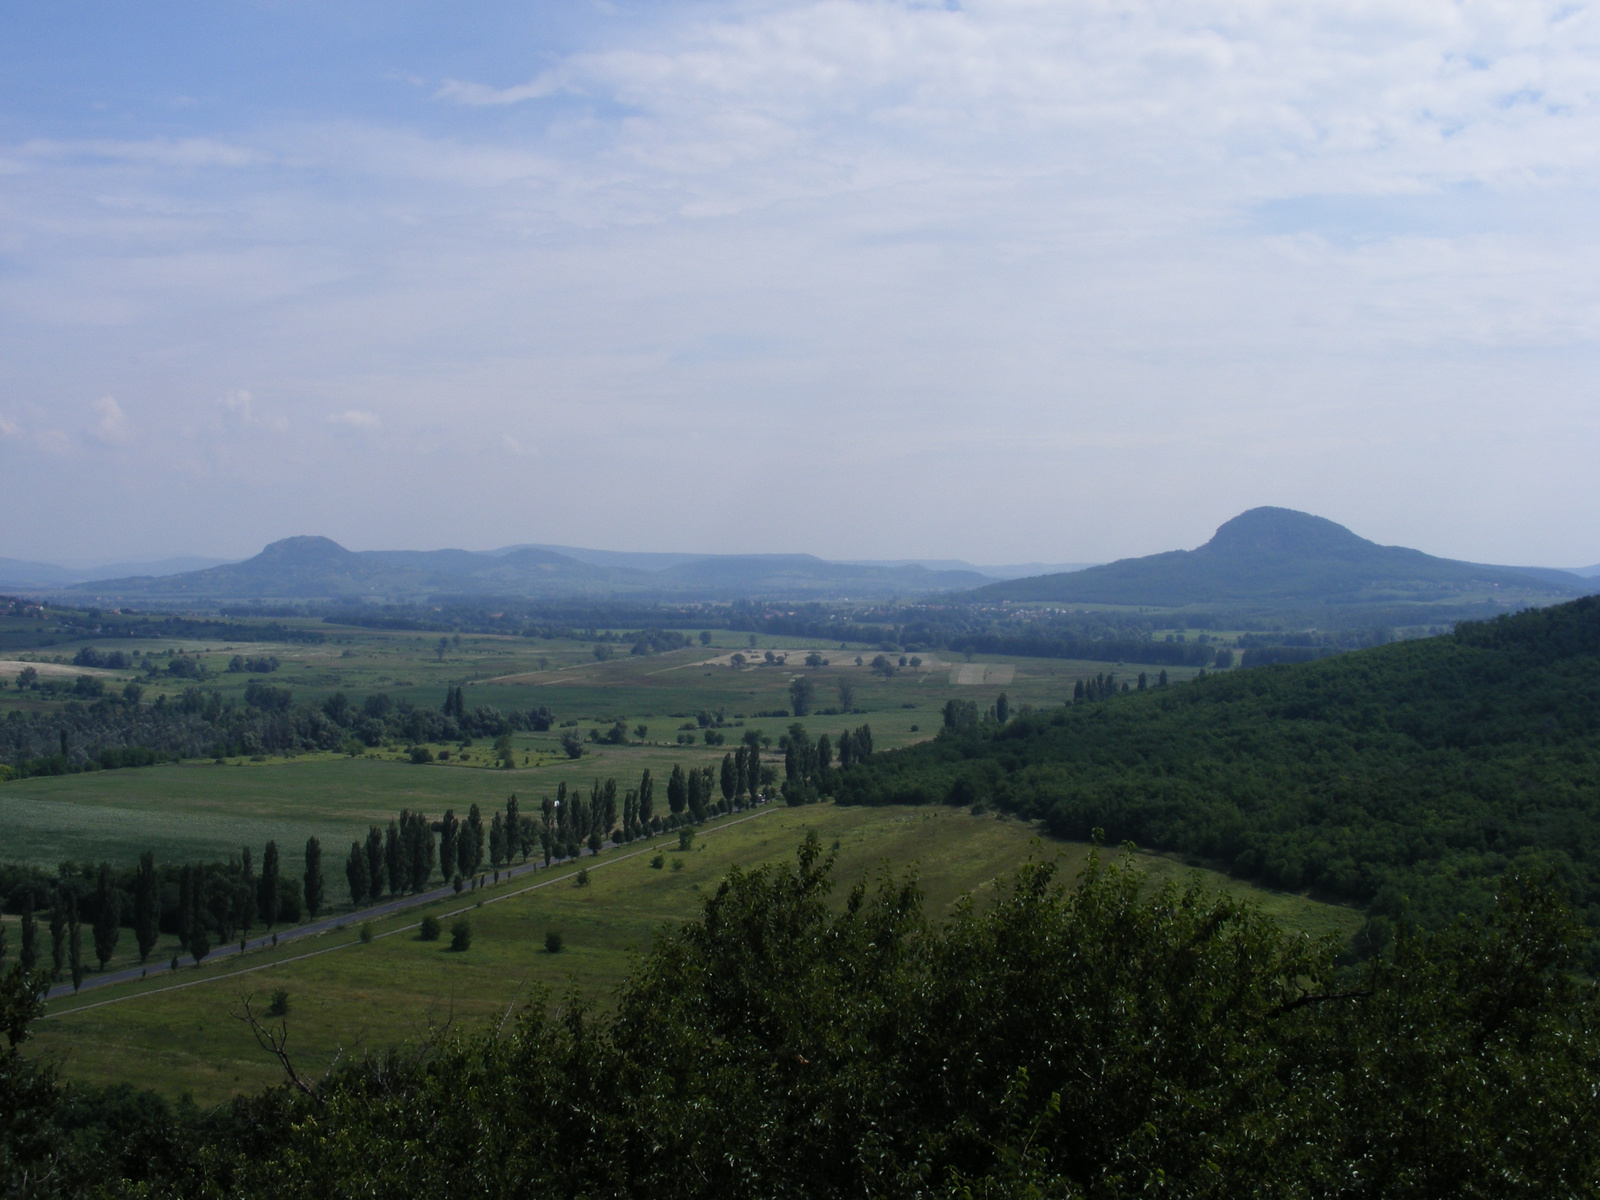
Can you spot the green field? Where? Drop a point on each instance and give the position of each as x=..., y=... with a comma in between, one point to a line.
x=348, y=997
x=200, y=809
x=358, y=997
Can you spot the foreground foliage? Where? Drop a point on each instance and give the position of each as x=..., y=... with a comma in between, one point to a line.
x=1104, y=1039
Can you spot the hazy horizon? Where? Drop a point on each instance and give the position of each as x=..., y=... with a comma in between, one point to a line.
x=990, y=281
x=89, y=564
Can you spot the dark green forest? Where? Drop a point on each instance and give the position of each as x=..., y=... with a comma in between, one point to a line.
x=1405, y=777
x=1108, y=1039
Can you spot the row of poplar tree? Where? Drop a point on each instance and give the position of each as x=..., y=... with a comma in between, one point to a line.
x=214, y=903
x=217, y=903
x=404, y=856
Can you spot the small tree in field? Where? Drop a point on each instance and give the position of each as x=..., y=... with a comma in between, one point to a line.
x=801, y=692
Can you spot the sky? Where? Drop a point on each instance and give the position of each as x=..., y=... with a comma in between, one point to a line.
x=999, y=280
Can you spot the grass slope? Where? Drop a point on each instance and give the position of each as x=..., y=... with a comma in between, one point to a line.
x=360, y=997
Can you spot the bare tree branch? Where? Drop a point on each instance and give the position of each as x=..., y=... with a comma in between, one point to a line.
x=275, y=1043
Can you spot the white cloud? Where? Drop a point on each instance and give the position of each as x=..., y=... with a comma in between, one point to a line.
x=1187, y=245
x=479, y=95
x=179, y=153
x=355, y=419
x=8, y=427
x=112, y=425
x=241, y=405
x=55, y=441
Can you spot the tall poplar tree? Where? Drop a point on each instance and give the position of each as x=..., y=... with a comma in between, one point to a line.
x=394, y=857
x=647, y=799
x=267, y=890
x=423, y=851
x=753, y=778
x=247, y=899
x=186, y=882
x=313, y=878
x=375, y=864
x=497, y=841
x=107, y=917
x=513, y=829
x=677, y=790
x=357, y=876
x=608, y=808
x=730, y=786
x=146, y=905
x=472, y=842
x=74, y=941
x=449, y=852
x=58, y=932
x=29, y=953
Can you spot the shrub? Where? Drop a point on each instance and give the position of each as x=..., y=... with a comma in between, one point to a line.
x=677, y=864
x=279, y=1007
x=552, y=942
x=685, y=838
x=582, y=879
x=461, y=935
x=657, y=863
x=421, y=754
x=366, y=931
x=430, y=929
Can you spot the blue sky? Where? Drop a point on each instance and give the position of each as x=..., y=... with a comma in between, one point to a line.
x=999, y=281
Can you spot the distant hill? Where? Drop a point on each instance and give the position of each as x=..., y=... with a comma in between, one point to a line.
x=1407, y=777
x=15, y=573
x=1276, y=556
x=317, y=568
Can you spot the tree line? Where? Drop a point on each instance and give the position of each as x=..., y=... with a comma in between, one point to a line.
x=403, y=857
x=120, y=730
x=204, y=904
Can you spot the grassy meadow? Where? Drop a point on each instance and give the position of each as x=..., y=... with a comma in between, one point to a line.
x=347, y=997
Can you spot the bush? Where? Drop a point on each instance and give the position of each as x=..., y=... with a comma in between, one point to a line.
x=461, y=935
x=430, y=929
x=421, y=754
x=685, y=838
x=657, y=862
x=582, y=879
x=279, y=1006
x=552, y=942
x=366, y=932
x=677, y=864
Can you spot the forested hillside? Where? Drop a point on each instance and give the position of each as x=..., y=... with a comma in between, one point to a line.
x=1406, y=777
